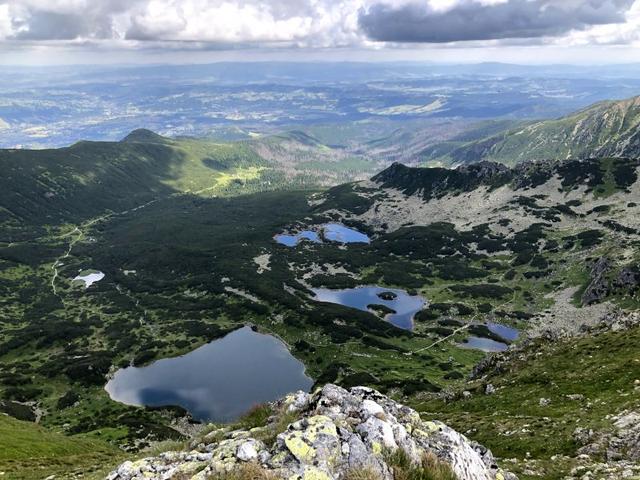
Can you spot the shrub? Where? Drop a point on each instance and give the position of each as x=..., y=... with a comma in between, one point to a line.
x=482, y=290
x=67, y=400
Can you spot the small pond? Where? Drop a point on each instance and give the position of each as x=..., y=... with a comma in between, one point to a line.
x=484, y=344
x=509, y=334
x=217, y=382
x=295, y=239
x=332, y=232
x=89, y=277
x=335, y=232
x=404, y=306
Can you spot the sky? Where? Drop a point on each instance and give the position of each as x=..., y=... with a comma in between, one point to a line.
x=200, y=31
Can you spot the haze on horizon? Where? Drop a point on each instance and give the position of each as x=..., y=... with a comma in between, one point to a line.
x=41, y=32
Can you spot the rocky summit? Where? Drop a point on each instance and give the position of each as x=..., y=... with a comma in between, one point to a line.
x=331, y=434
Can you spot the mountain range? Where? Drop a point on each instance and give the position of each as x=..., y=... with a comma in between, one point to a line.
x=606, y=129
x=528, y=249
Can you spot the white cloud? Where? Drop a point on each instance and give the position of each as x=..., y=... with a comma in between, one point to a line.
x=6, y=28
x=627, y=33
x=281, y=23
x=302, y=22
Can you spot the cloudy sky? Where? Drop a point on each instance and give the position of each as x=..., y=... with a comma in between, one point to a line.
x=521, y=31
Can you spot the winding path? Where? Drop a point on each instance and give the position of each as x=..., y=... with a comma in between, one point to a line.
x=80, y=231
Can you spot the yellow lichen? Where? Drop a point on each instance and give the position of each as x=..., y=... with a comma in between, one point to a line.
x=431, y=426
x=376, y=447
x=298, y=447
x=313, y=473
x=279, y=458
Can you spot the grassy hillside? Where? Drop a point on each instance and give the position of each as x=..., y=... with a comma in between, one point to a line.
x=30, y=452
x=607, y=129
x=73, y=185
x=49, y=187
x=586, y=381
x=302, y=155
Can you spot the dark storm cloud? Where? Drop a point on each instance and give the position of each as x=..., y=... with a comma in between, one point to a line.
x=39, y=20
x=470, y=20
x=58, y=26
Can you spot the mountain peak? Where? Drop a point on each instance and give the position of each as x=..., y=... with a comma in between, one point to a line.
x=143, y=135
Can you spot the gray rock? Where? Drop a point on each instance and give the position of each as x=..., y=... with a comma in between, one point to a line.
x=598, y=288
x=335, y=430
x=627, y=279
x=247, y=451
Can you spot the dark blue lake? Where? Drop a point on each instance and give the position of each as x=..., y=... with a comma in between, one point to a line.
x=217, y=382
x=404, y=305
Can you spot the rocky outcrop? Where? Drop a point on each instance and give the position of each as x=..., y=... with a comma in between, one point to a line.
x=437, y=182
x=619, y=447
x=628, y=279
x=332, y=433
x=601, y=286
x=598, y=289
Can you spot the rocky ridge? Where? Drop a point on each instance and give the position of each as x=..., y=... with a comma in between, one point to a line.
x=332, y=432
x=605, y=129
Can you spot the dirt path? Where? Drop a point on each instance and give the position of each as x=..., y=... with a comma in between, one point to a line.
x=81, y=230
x=461, y=329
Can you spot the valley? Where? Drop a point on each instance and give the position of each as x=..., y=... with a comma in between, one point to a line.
x=160, y=248
x=319, y=240
x=350, y=104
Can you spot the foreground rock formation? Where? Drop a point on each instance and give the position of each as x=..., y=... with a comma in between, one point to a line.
x=331, y=434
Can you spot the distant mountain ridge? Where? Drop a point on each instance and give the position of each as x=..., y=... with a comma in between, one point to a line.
x=606, y=129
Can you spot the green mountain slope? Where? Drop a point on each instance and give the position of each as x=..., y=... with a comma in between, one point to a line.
x=48, y=187
x=588, y=382
x=607, y=129
x=30, y=452
x=92, y=179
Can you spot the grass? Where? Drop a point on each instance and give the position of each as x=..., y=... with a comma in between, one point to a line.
x=165, y=446
x=429, y=468
x=283, y=420
x=602, y=368
x=28, y=451
x=256, y=417
x=247, y=471
x=364, y=473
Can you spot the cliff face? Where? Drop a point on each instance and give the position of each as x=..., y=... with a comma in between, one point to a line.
x=332, y=434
